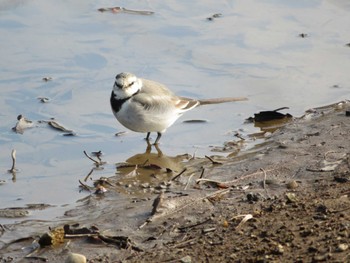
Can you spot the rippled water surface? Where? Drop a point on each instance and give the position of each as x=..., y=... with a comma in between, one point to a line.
x=253, y=49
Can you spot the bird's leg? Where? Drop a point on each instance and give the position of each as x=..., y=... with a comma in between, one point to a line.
x=158, y=138
x=147, y=136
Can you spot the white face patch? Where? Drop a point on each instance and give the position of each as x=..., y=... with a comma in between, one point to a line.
x=126, y=84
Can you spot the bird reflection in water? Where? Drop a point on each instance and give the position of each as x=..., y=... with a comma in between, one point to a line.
x=150, y=168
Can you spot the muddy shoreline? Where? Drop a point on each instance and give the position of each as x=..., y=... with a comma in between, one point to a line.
x=287, y=202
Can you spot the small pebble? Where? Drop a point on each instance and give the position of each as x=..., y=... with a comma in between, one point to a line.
x=186, y=259
x=279, y=249
x=75, y=258
x=207, y=230
x=292, y=185
x=323, y=257
x=343, y=247
x=291, y=198
x=225, y=223
x=145, y=185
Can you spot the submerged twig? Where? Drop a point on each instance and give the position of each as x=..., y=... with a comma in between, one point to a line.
x=90, y=173
x=13, y=156
x=88, y=156
x=118, y=9
x=97, y=163
x=84, y=186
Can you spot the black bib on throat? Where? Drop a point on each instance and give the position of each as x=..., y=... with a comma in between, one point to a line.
x=116, y=104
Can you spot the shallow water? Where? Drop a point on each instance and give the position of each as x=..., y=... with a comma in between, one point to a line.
x=253, y=50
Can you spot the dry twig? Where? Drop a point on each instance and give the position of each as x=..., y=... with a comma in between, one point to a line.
x=177, y=176
x=212, y=160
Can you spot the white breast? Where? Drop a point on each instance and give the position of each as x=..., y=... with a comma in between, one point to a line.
x=139, y=119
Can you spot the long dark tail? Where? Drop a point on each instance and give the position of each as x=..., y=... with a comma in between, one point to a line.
x=221, y=100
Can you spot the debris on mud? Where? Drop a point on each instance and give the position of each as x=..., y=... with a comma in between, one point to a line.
x=263, y=116
x=288, y=201
x=22, y=124
x=54, y=124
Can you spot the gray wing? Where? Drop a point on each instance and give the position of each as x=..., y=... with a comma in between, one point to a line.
x=156, y=97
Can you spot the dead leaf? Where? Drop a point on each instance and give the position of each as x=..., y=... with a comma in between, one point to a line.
x=271, y=115
x=58, y=126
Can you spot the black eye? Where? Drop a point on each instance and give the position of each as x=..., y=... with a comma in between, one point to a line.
x=118, y=85
x=132, y=83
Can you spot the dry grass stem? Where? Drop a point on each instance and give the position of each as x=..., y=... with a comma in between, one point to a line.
x=188, y=181
x=244, y=220
x=264, y=182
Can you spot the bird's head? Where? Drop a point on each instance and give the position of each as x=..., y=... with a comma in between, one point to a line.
x=126, y=85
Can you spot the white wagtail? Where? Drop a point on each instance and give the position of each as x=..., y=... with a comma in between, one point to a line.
x=143, y=105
